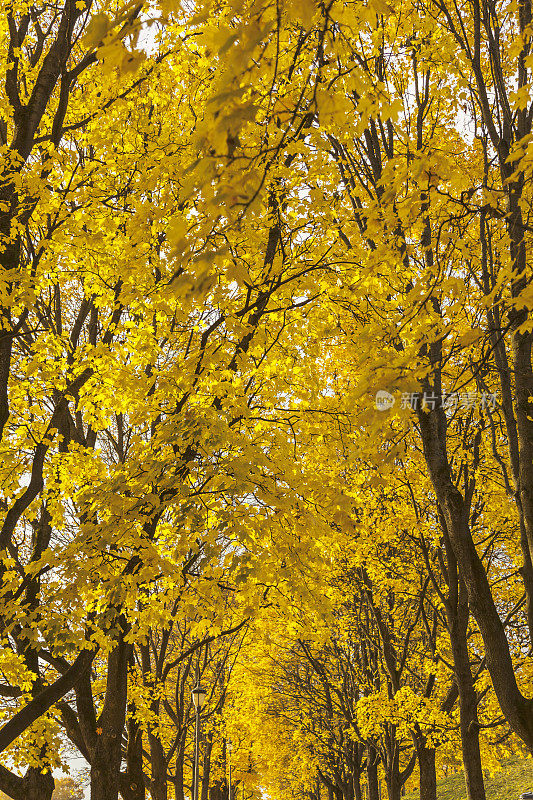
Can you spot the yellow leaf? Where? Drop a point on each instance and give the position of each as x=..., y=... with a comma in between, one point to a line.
x=97, y=29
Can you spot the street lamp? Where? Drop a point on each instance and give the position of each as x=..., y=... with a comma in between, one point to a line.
x=198, y=698
x=229, y=748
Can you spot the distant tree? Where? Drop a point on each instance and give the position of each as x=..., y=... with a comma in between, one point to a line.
x=68, y=789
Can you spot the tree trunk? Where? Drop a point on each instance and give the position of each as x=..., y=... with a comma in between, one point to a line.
x=179, y=791
x=334, y=791
x=394, y=776
x=475, y=786
x=107, y=753
x=357, y=793
x=517, y=709
x=158, y=764
x=357, y=752
x=158, y=782
x=35, y=785
x=394, y=784
x=372, y=773
x=348, y=791
x=219, y=791
x=38, y=785
x=132, y=781
x=208, y=747
x=104, y=774
x=391, y=764
x=428, y=775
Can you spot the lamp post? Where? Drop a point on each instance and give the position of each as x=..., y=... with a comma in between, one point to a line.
x=198, y=698
x=229, y=748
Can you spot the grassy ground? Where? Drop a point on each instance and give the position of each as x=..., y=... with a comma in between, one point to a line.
x=516, y=777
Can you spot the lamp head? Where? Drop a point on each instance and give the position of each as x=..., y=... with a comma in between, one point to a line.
x=198, y=696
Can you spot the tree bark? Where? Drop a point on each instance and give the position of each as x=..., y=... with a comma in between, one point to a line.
x=132, y=786
x=219, y=791
x=35, y=785
x=517, y=709
x=206, y=772
x=45, y=699
x=372, y=773
x=158, y=764
x=179, y=792
x=428, y=775
x=158, y=782
x=107, y=753
x=392, y=770
x=458, y=625
x=394, y=786
x=358, y=751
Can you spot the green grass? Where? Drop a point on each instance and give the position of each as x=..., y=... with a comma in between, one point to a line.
x=515, y=777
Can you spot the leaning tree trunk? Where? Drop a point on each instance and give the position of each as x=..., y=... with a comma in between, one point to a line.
x=517, y=708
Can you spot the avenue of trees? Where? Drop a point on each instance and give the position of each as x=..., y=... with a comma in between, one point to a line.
x=266, y=396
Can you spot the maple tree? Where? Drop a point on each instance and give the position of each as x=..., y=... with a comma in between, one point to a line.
x=224, y=228
x=71, y=226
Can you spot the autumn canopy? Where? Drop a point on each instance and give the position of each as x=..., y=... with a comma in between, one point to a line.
x=266, y=396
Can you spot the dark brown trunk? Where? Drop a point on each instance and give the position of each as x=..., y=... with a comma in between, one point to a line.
x=521, y=345
x=179, y=791
x=132, y=785
x=158, y=782
x=428, y=775
x=158, y=764
x=107, y=753
x=475, y=786
x=394, y=786
x=457, y=616
x=392, y=776
x=334, y=791
x=37, y=785
x=517, y=709
x=358, y=751
x=104, y=775
x=372, y=773
x=206, y=772
x=218, y=791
